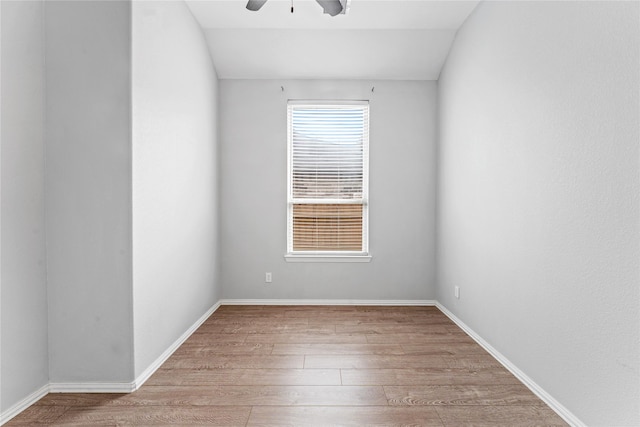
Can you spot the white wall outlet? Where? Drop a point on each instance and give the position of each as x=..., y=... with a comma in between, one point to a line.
x=456, y=291
x=267, y=277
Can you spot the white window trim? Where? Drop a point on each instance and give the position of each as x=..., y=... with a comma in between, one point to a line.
x=333, y=257
x=337, y=256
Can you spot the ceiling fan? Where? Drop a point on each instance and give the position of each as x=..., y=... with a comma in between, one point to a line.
x=331, y=7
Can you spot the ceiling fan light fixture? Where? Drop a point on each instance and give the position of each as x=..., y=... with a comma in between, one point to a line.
x=346, y=6
x=255, y=5
x=330, y=7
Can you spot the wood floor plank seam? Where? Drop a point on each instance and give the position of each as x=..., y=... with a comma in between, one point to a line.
x=440, y=418
x=249, y=417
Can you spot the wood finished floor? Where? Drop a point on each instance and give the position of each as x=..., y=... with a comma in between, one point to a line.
x=315, y=365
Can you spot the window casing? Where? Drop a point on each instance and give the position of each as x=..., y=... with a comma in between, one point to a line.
x=328, y=185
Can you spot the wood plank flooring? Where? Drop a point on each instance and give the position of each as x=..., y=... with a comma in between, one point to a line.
x=314, y=365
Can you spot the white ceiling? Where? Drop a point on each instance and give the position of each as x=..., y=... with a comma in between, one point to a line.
x=377, y=39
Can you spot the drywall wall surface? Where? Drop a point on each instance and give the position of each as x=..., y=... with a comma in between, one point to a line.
x=538, y=196
x=88, y=190
x=24, y=358
x=175, y=188
x=254, y=192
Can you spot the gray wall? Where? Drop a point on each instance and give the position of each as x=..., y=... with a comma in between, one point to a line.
x=24, y=355
x=402, y=193
x=70, y=320
x=175, y=240
x=88, y=190
x=538, y=215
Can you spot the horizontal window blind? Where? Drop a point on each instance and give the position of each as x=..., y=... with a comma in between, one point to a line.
x=326, y=227
x=328, y=177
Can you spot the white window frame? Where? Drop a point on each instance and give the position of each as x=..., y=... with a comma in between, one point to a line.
x=328, y=256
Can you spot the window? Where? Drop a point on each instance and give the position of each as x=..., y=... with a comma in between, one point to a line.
x=327, y=204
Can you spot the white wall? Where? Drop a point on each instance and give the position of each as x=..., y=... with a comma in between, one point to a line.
x=88, y=191
x=538, y=215
x=24, y=367
x=68, y=317
x=175, y=185
x=253, y=193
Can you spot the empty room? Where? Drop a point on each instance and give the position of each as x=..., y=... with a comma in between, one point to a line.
x=331, y=212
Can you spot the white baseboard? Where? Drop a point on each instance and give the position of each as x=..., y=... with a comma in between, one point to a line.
x=91, y=387
x=526, y=380
x=95, y=387
x=327, y=302
x=10, y=413
x=104, y=387
x=144, y=376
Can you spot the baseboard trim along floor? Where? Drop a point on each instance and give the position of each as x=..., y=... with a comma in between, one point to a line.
x=144, y=376
x=10, y=413
x=95, y=387
x=526, y=380
x=328, y=302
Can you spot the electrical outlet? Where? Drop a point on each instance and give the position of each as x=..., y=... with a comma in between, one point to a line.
x=267, y=277
x=456, y=291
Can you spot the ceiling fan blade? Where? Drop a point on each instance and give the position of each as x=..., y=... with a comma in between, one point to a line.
x=332, y=7
x=254, y=5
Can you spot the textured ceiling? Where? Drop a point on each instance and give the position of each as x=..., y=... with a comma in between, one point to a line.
x=398, y=40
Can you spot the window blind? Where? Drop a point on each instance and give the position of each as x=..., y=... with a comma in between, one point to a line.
x=328, y=177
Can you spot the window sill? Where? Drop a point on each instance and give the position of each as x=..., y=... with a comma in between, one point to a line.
x=326, y=258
